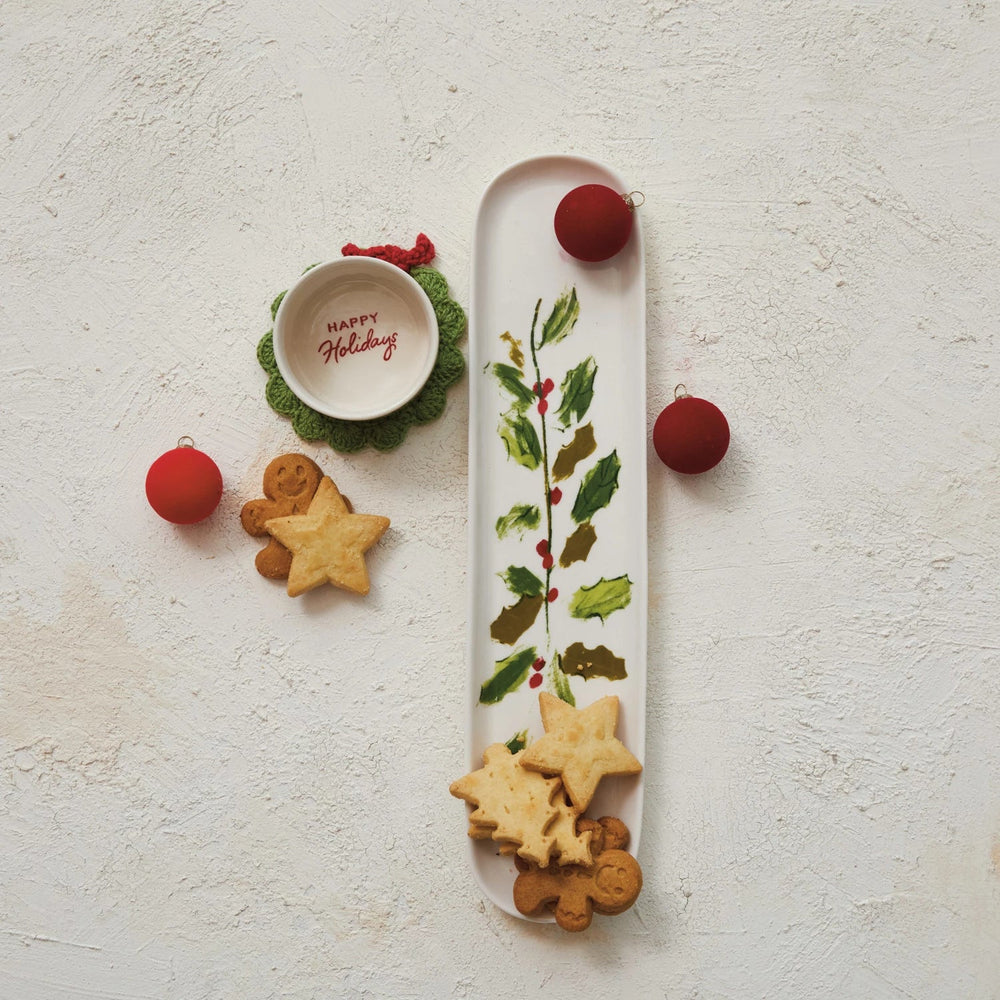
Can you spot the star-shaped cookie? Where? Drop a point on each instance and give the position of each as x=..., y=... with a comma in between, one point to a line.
x=328, y=543
x=580, y=746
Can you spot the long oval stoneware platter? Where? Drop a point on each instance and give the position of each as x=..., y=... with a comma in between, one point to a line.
x=557, y=467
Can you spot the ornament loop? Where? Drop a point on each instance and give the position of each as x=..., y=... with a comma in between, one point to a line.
x=680, y=391
x=630, y=199
x=185, y=442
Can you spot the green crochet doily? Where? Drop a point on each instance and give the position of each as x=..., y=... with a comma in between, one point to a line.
x=388, y=432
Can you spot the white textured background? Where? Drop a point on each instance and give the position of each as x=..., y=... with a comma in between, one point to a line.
x=208, y=790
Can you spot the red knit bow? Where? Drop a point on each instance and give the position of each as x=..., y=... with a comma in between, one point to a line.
x=422, y=253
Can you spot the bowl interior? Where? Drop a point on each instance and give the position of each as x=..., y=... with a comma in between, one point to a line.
x=355, y=338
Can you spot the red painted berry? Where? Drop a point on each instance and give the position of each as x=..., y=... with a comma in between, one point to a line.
x=555, y=495
x=542, y=548
x=536, y=679
x=542, y=406
x=548, y=386
x=539, y=663
x=552, y=595
x=547, y=561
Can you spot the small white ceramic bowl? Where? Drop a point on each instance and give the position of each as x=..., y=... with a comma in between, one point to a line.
x=355, y=338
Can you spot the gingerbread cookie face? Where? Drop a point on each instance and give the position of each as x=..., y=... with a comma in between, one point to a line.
x=293, y=481
x=290, y=483
x=616, y=881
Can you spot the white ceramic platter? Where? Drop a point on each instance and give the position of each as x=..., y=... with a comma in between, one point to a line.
x=573, y=478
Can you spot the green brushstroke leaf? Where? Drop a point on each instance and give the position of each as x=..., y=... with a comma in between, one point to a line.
x=602, y=599
x=561, y=682
x=519, y=435
x=577, y=392
x=597, y=662
x=521, y=581
x=508, y=676
x=561, y=320
x=517, y=742
x=520, y=518
x=597, y=488
x=510, y=380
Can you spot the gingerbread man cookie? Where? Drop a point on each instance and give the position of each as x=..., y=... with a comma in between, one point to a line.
x=290, y=483
x=610, y=885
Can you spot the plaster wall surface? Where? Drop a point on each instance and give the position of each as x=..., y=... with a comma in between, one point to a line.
x=209, y=790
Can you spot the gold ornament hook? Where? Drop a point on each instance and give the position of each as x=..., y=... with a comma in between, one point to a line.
x=630, y=199
x=680, y=391
x=185, y=442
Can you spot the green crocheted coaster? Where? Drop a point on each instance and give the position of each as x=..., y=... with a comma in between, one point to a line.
x=388, y=432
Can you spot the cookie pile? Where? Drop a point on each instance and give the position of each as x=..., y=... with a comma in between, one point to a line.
x=314, y=535
x=532, y=803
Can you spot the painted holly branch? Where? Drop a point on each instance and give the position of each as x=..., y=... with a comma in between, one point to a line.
x=525, y=431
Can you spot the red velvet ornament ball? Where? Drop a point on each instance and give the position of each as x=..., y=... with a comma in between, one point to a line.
x=593, y=222
x=691, y=435
x=184, y=485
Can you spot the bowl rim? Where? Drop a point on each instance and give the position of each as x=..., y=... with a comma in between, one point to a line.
x=380, y=272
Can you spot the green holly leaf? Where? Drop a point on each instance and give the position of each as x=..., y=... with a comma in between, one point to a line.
x=520, y=518
x=561, y=320
x=597, y=488
x=561, y=682
x=521, y=581
x=577, y=392
x=517, y=742
x=603, y=598
x=509, y=378
x=519, y=435
x=508, y=676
